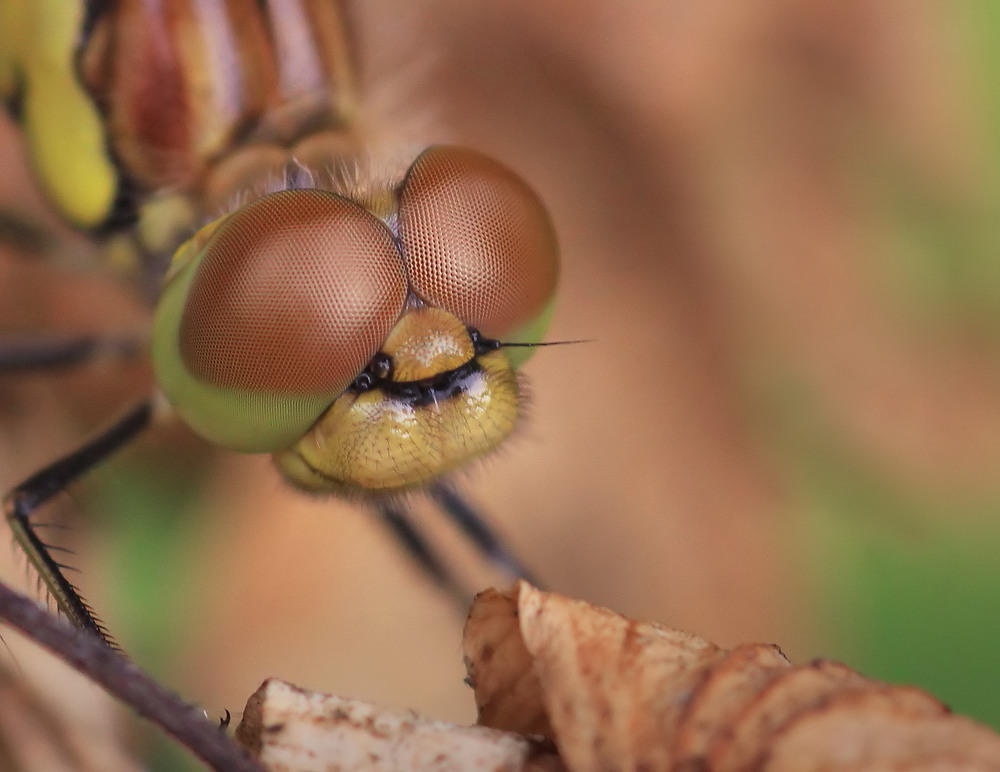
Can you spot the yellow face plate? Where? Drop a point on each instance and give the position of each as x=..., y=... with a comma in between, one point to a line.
x=409, y=431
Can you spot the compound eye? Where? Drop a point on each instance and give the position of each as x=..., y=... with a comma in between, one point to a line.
x=295, y=293
x=477, y=240
x=279, y=310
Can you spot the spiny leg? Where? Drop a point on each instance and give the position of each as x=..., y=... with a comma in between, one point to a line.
x=54, y=353
x=479, y=532
x=31, y=494
x=420, y=550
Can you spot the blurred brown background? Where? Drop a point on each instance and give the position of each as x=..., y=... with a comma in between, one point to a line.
x=779, y=230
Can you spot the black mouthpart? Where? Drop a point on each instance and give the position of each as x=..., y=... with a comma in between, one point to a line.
x=425, y=391
x=378, y=374
x=482, y=344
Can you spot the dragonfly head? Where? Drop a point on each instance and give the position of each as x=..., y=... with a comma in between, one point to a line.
x=272, y=313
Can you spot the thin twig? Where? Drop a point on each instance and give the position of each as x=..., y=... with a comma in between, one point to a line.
x=113, y=672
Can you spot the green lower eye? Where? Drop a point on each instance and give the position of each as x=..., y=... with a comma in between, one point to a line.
x=531, y=332
x=274, y=314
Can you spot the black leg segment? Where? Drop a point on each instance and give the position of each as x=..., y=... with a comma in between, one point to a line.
x=417, y=547
x=475, y=527
x=17, y=356
x=31, y=494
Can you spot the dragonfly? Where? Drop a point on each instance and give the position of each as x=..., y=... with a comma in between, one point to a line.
x=366, y=329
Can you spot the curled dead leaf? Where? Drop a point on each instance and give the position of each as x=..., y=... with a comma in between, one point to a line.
x=500, y=670
x=621, y=694
x=883, y=729
x=723, y=693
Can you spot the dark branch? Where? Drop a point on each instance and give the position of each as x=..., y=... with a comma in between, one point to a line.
x=124, y=680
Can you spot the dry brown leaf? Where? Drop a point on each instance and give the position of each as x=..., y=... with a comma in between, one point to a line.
x=609, y=685
x=727, y=688
x=613, y=688
x=608, y=693
x=800, y=689
x=501, y=673
x=888, y=728
x=621, y=694
x=291, y=730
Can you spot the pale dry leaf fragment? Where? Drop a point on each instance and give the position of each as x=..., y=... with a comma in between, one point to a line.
x=725, y=690
x=291, y=730
x=500, y=669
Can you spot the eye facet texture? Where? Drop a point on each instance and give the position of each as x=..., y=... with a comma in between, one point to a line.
x=294, y=294
x=477, y=240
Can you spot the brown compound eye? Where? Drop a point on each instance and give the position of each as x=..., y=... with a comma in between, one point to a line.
x=271, y=312
x=477, y=240
x=294, y=294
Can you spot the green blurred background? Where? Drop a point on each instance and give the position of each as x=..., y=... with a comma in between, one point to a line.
x=781, y=229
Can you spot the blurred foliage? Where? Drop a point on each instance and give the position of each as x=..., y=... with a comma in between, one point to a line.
x=907, y=588
x=912, y=579
x=147, y=508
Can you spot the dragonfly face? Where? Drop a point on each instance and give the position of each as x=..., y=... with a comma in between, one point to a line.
x=362, y=350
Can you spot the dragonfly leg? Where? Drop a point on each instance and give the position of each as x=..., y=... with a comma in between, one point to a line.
x=52, y=353
x=21, y=502
x=418, y=548
x=479, y=532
